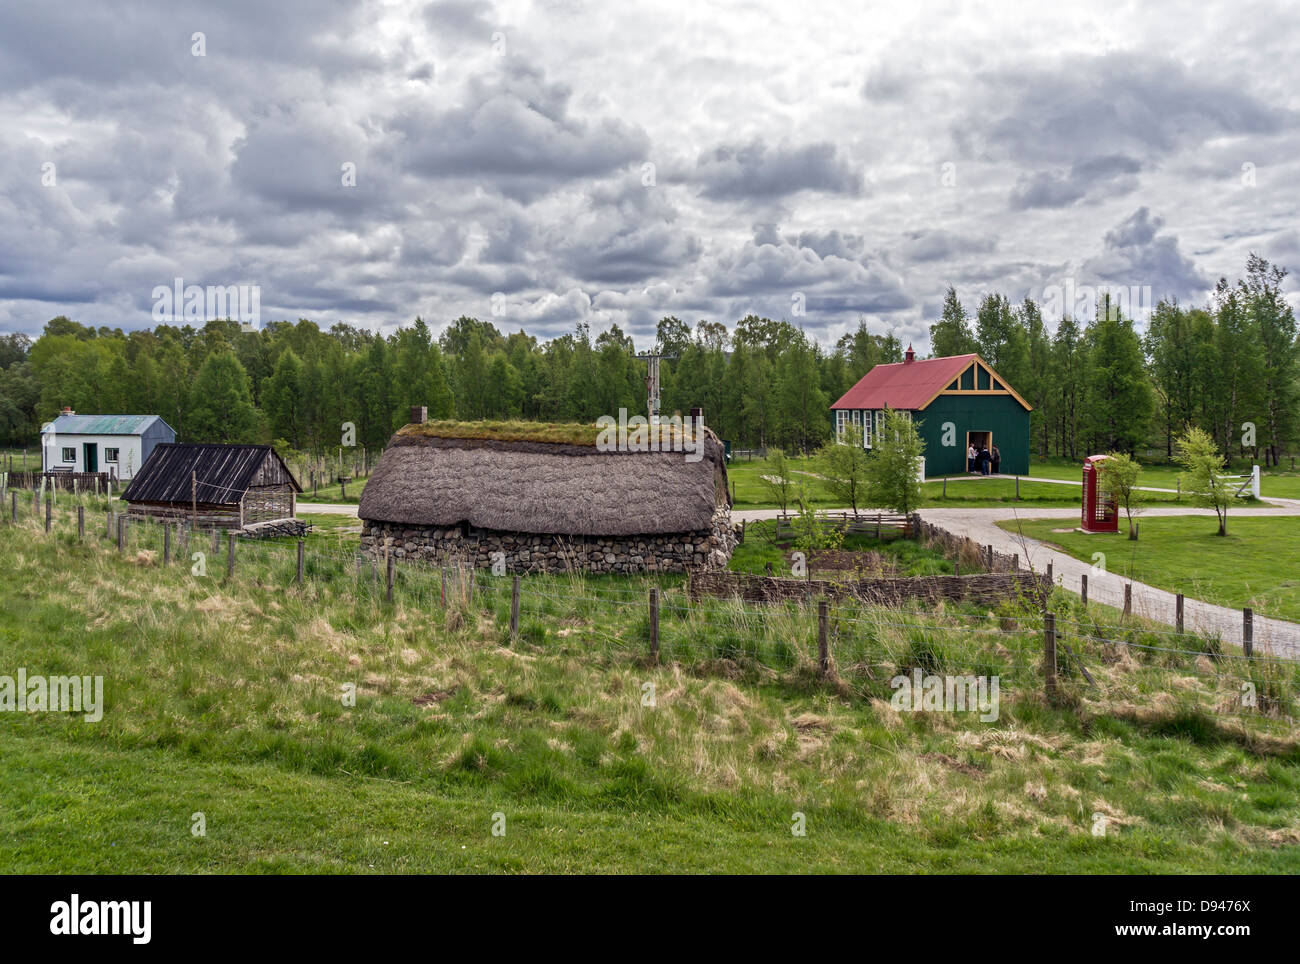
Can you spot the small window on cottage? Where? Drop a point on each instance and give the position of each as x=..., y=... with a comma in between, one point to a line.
x=110, y=455
x=69, y=455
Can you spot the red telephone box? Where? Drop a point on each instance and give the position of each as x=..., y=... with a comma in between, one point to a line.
x=1100, y=513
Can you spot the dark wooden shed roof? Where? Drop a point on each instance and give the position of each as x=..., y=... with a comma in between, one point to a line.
x=223, y=473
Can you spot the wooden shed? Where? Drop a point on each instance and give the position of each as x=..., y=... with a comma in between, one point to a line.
x=215, y=486
x=957, y=402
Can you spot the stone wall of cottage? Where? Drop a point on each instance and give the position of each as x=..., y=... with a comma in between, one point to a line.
x=524, y=552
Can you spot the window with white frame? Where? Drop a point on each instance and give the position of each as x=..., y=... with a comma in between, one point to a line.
x=110, y=455
x=69, y=455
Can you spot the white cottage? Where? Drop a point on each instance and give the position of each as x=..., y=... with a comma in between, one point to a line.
x=116, y=444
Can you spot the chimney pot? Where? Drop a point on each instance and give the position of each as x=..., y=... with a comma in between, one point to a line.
x=909, y=356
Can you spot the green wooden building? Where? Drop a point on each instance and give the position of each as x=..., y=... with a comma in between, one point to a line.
x=956, y=402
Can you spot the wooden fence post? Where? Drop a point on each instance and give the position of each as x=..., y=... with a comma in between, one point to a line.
x=1050, y=577
x=48, y=510
x=956, y=567
x=989, y=554
x=1017, y=488
x=1015, y=562
x=1049, y=655
x=301, y=560
x=823, y=637
x=108, y=524
x=1083, y=588
x=230, y=554
x=514, y=608
x=343, y=487
x=390, y=562
x=167, y=543
x=1128, y=599
x=1248, y=631
x=13, y=507
x=1178, y=613
x=81, y=523
x=654, y=624
x=216, y=543
x=121, y=532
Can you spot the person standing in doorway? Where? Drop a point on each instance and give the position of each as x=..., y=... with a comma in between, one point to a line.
x=997, y=461
x=970, y=458
x=984, y=460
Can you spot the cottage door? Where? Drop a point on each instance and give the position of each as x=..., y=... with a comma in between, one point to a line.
x=90, y=456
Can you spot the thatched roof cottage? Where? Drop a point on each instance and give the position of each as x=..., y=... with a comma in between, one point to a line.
x=539, y=497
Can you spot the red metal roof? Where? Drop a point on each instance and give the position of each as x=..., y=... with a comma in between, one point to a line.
x=903, y=385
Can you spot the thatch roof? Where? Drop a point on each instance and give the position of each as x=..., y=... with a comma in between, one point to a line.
x=543, y=487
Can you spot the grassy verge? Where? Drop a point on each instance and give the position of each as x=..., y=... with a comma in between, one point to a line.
x=223, y=696
x=1255, y=564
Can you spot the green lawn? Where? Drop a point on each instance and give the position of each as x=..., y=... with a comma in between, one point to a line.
x=223, y=697
x=1256, y=564
x=333, y=494
x=962, y=491
x=1280, y=483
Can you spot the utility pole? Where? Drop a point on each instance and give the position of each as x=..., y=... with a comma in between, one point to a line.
x=652, y=384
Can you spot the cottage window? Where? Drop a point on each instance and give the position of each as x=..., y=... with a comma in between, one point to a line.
x=69, y=455
x=110, y=455
x=866, y=429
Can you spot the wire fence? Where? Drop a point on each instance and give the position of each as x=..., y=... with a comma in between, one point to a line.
x=1051, y=648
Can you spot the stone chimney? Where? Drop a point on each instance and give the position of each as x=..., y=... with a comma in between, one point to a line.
x=697, y=412
x=909, y=356
x=419, y=414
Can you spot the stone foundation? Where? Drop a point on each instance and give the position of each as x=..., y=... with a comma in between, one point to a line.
x=525, y=552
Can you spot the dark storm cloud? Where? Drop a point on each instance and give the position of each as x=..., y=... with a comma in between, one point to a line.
x=1107, y=176
x=757, y=171
x=628, y=234
x=461, y=18
x=516, y=132
x=762, y=267
x=98, y=45
x=937, y=245
x=1118, y=103
x=1134, y=253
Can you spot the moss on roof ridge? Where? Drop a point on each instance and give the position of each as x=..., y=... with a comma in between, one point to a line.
x=564, y=433
x=556, y=433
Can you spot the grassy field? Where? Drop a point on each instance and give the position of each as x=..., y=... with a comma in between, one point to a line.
x=223, y=697
x=1257, y=564
x=1280, y=483
x=333, y=494
x=961, y=491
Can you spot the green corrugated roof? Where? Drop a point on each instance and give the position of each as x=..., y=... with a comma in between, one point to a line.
x=102, y=424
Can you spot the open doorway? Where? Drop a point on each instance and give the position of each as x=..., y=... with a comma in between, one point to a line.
x=982, y=443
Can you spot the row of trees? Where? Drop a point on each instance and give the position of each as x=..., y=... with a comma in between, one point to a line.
x=1098, y=386
x=1229, y=368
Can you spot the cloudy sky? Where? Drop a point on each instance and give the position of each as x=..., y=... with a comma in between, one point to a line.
x=546, y=162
